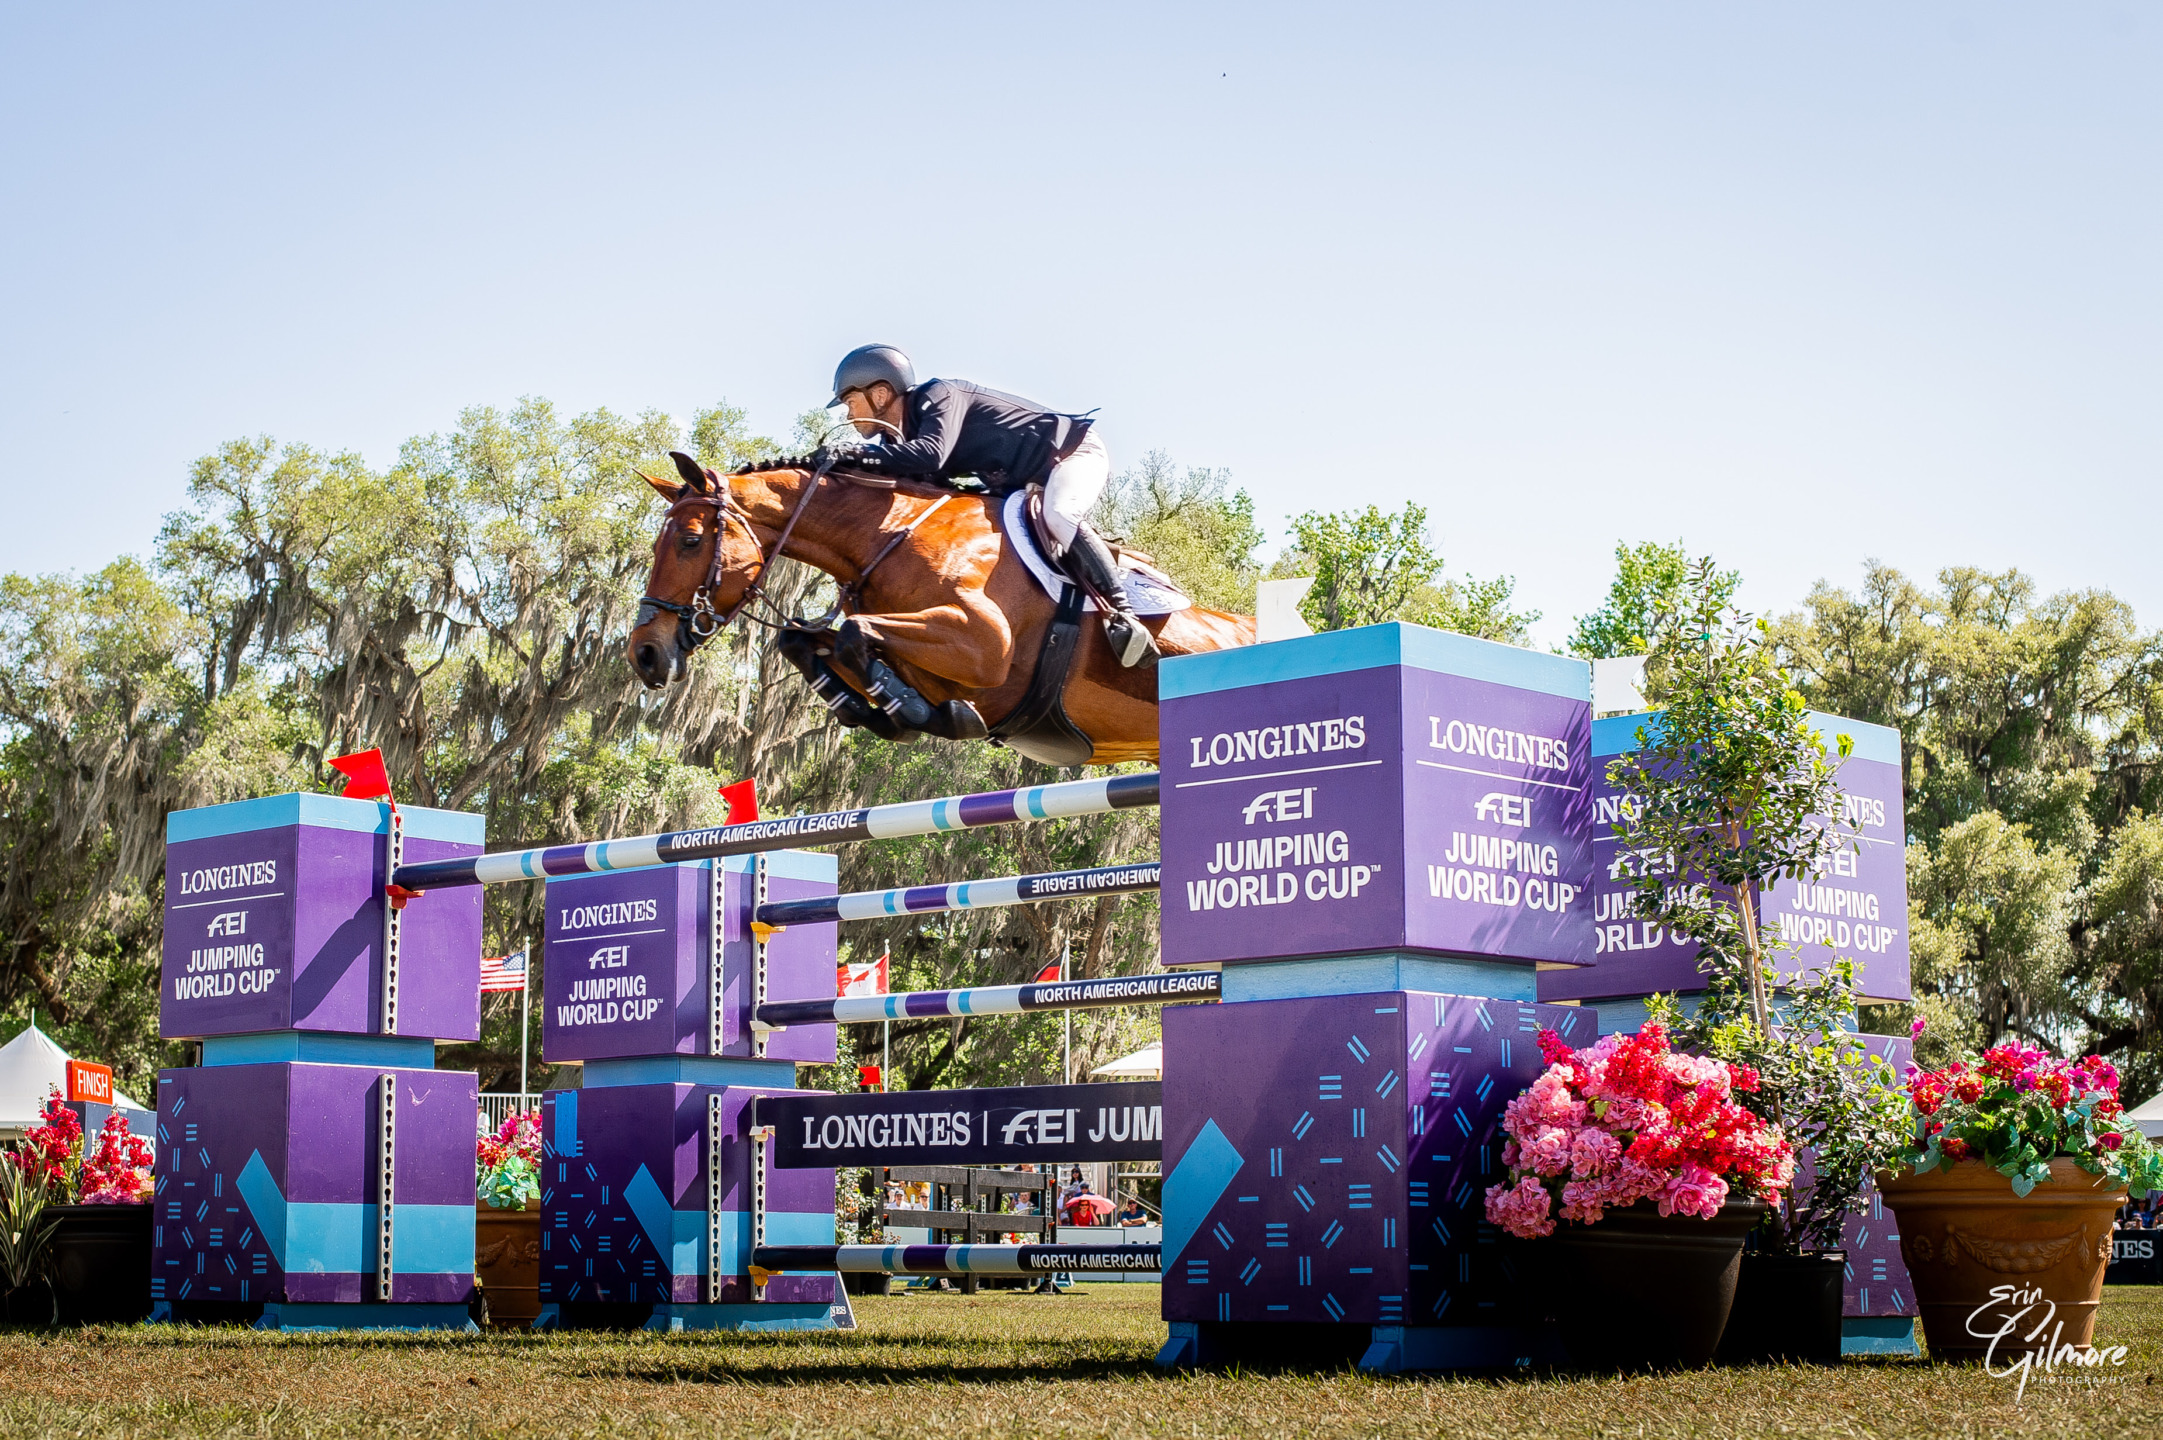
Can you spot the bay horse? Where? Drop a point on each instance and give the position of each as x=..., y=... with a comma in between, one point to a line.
x=944, y=627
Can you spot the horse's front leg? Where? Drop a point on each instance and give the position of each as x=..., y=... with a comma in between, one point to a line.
x=967, y=641
x=864, y=644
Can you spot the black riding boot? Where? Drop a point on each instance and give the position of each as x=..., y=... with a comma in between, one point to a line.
x=1089, y=560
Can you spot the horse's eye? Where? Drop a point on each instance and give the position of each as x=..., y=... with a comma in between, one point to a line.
x=692, y=539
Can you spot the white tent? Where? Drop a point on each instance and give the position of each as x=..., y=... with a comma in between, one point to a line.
x=31, y=1067
x=2149, y=1117
x=1146, y=1063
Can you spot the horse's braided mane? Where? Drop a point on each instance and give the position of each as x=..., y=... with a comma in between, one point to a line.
x=909, y=485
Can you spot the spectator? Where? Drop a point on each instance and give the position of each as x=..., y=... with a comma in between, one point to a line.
x=1132, y=1213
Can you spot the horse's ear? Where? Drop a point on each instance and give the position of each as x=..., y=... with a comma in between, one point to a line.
x=694, y=474
x=667, y=490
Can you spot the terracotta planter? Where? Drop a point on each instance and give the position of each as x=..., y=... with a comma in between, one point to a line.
x=1787, y=1307
x=507, y=1262
x=1964, y=1233
x=1640, y=1288
x=100, y=1263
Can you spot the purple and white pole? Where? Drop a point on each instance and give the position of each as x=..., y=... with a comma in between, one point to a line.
x=995, y=999
x=958, y=1259
x=966, y=895
x=878, y=822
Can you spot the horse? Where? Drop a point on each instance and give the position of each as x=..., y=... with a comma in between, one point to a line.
x=944, y=626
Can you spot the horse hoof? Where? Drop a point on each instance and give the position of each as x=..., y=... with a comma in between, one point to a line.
x=958, y=720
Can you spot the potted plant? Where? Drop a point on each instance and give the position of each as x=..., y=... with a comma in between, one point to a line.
x=1842, y=1107
x=1638, y=1174
x=1731, y=790
x=26, y=1231
x=99, y=1204
x=2020, y=1164
x=507, y=1232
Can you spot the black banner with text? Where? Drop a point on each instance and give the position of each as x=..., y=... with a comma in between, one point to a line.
x=1049, y=1124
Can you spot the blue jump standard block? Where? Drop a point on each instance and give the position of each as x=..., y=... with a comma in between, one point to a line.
x=265, y=1194
x=1326, y=1162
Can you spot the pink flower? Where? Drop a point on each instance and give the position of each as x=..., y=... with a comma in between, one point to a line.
x=1694, y=1191
x=1548, y=1152
x=1522, y=1209
x=1918, y=1027
x=1591, y=1152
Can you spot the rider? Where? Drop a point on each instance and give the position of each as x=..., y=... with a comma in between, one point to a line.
x=944, y=428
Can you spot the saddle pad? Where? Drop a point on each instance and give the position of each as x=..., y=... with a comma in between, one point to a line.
x=1150, y=593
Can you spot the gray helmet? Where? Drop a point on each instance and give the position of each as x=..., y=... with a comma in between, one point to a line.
x=867, y=365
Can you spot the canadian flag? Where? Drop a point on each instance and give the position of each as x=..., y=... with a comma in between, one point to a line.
x=867, y=979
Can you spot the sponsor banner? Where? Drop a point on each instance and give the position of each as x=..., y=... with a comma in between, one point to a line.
x=1388, y=808
x=2136, y=1258
x=1042, y=1123
x=228, y=956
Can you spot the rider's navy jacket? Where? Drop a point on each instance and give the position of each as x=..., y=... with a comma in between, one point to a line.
x=952, y=427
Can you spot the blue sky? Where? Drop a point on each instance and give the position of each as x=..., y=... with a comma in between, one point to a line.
x=1799, y=285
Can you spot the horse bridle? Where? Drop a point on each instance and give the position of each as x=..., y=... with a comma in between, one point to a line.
x=699, y=619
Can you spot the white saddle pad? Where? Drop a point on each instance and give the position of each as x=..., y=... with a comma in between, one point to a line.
x=1150, y=591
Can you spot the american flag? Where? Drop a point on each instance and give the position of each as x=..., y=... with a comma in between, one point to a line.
x=503, y=972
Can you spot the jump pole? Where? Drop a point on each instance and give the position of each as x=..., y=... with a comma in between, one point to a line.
x=954, y=1259
x=878, y=822
x=995, y=999
x=966, y=895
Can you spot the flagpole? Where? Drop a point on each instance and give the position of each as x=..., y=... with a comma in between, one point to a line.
x=525, y=989
x=1066, y=950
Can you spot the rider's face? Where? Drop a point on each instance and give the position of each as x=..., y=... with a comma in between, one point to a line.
x=871, y=405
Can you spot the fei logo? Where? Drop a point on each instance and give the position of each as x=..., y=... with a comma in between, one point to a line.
x=1505, y=809
x=232, y=922
x=1281, y=805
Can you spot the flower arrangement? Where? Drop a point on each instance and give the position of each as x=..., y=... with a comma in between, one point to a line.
x=507, y=1164
x=2017, y=1108
x=1625, y=1120
x=115, y=1170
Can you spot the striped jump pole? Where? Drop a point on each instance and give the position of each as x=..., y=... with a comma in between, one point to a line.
x=967, y=895
x=833, y=827
x=955, y=1259
x=995, y=999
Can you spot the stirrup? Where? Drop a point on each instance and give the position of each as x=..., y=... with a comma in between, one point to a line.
x=1139, y=648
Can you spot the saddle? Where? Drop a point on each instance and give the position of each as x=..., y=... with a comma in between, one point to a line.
x=1149, y=590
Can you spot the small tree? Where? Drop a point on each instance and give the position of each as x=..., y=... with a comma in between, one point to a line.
x=1731, y=790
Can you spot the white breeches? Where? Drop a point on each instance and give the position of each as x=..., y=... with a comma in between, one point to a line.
x=1073, y=488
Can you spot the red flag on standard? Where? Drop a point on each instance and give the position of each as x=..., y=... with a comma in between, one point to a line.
x=743, y=801
x=1048, y=974
x=366, y=777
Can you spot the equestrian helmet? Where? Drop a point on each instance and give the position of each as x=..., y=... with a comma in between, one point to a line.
x=866, y=365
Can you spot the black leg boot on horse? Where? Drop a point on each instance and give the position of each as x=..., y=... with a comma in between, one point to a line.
x=1089, y=561
x=897, y=701
x=810, y=651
